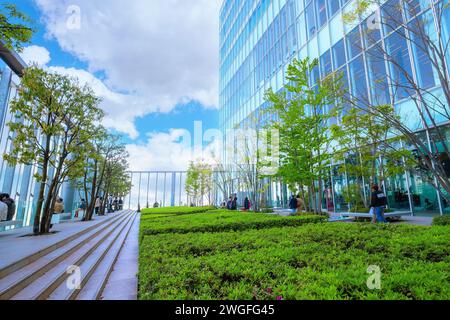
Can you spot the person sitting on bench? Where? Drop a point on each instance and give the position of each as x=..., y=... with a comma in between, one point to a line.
x=3, y=211
x=82, y=207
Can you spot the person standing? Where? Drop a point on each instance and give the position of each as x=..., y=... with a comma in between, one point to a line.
x=378, y=204
x=235, y=203
x=299, y=204
x=97, y=205
x=247, y=204
x=293, y=204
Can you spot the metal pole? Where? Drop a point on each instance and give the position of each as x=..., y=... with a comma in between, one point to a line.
x=139, y=192
x=164, y=196
x=148, y=190
x=156, y=189
x=181, y=178
x=131, y=192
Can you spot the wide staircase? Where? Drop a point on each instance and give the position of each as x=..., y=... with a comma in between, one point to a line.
x=76, y=268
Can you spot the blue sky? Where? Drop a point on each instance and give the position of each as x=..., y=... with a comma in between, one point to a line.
x=154, y=78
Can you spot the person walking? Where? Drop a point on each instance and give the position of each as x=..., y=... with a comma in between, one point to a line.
x=378, y=204
x=11, y=206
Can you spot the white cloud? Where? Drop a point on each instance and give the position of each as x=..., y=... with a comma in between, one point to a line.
x=36, y=55
x=171, y=151
x=164, y=52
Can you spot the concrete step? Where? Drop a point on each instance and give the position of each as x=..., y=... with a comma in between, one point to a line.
x=45, y=284
x=20, y=263
x=16, y=281
x=93, y=286
x=122, y=284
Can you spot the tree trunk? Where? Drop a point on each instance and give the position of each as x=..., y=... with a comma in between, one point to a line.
x=40, y=202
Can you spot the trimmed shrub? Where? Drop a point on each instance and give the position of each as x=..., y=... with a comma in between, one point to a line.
x=222, y=221
x=441, y=221
x=316, y=261
x=176, y=210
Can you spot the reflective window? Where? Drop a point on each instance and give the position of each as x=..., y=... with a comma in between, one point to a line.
x=424, y=25
x=325, y=64
x=377, y=76
x=333, y=7
x=400, y=65
x=311, y=20
x=358, y=81
x=354, y=46
x=339, y=54
x=321, y=12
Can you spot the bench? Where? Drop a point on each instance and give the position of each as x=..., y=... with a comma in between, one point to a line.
x=67, y=217
x=395, y=214
x=15, y=224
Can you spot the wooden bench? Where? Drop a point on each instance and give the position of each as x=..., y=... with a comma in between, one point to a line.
x=15, y=224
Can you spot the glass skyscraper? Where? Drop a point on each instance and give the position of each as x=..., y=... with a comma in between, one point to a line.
x=259, y=38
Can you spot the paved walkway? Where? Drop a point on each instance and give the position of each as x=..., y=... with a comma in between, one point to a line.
x=106, y=251
x=16, y=245
x=418, y=221
x=123, y=281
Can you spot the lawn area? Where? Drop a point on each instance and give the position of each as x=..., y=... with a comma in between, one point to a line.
x=222, y=255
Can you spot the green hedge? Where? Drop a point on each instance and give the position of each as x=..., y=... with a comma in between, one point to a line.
x=175, y=210
x=441, y=221
x=220, y=221
x=316, y=261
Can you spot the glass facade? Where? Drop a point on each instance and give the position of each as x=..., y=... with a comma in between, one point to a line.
x=259, y=38
x=18, y=181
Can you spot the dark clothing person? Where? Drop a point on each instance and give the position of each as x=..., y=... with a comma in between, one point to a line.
x=293, y=203
x=230, y=204
x=378, y=203
x=234, y=204
x=11, y=207
x=246, y=204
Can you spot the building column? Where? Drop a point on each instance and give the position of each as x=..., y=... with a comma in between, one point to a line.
x=5, y=84
x=68, y=195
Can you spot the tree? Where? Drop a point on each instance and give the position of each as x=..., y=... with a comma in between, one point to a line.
x=199, y=182
x=364, y=140
x=413, y=27
x=14, y=34
x=105, y=165
x=251, y=155
x=54, y=120
x=117, y=180
x=302, y=122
